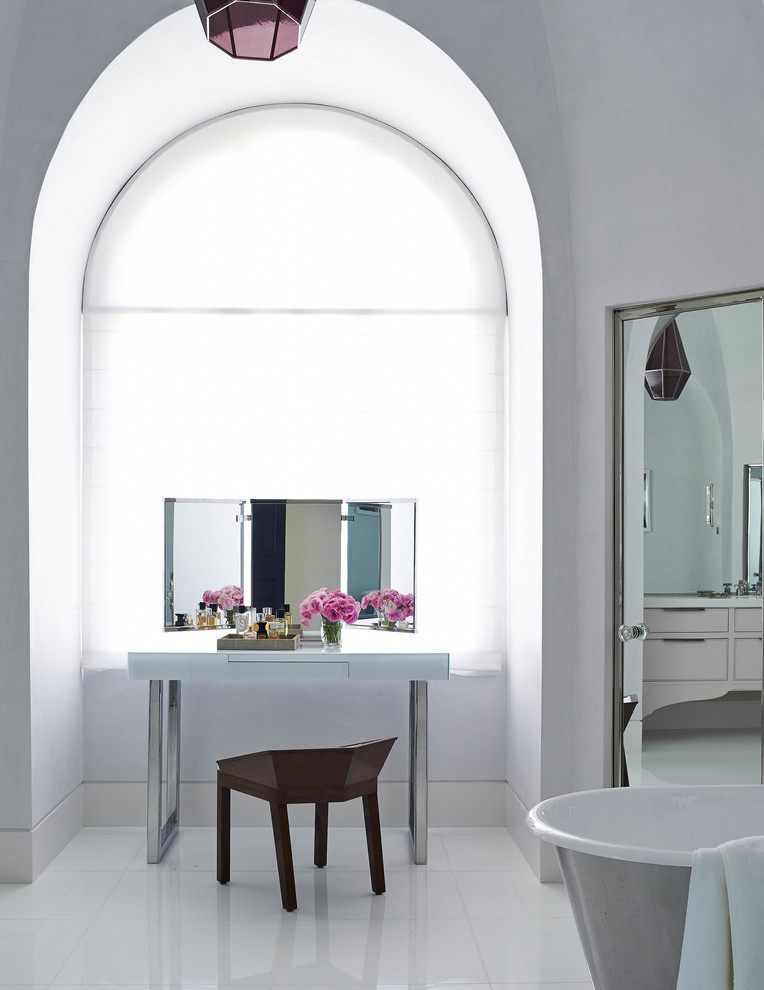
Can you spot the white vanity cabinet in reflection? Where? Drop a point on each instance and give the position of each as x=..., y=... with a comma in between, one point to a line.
x=698, y=652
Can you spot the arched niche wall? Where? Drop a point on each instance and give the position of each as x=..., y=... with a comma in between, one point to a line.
x=373, y=266
x=169, y=80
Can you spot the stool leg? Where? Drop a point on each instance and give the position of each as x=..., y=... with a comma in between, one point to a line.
x=374, y=842
x=280, y=821
x=224, y=833
x=321, y=834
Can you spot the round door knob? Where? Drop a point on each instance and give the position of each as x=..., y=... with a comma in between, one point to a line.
x=627, y=633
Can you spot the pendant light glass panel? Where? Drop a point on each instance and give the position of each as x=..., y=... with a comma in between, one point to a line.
x=255, y=29
x=667, y=370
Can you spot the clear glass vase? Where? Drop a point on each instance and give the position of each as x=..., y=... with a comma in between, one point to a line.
x=331, y=635
x=385, y=622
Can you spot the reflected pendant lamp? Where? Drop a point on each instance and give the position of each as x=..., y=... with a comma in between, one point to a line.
x=256, y=29
x=667, y=370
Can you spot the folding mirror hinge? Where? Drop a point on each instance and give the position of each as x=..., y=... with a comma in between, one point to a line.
x=347, y=518
x=244, y=519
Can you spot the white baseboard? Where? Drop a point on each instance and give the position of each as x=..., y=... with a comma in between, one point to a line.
x=25, y=853
x=541, y=856
x=451, y=804
x=16, y=856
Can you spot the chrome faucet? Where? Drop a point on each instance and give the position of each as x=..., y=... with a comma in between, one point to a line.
x=741, y=588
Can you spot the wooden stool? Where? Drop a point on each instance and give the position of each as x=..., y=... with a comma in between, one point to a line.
x=304, y=776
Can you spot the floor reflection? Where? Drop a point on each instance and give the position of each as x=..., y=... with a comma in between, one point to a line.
x=475, y=915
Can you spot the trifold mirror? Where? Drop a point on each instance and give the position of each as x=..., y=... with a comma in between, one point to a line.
x=280, y=550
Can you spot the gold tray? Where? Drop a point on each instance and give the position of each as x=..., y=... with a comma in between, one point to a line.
x=233, y=641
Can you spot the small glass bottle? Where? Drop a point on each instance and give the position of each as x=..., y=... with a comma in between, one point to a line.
x=242, y=619
x=214, y=620
x=202, y=616
x=252, y=619
x=287, y=617
x=277, y=629
x=270, y=616
x=262, y=631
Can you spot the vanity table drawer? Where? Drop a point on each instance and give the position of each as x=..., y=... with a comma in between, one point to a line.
x=691, y=620
x=747, y=620
x=748, y=660
x=685, y=660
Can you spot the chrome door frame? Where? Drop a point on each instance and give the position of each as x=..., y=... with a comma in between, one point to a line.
x=622, y=314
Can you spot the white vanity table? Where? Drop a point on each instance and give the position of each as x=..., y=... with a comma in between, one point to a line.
x=366, y=655
x=700, y=648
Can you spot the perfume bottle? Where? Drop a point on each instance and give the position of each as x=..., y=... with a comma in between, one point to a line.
x=287, y=617
x=280, y=623
x=270, y=617
x=242, y=619
x=262, y=631
x=202, y=616
x=214, y=620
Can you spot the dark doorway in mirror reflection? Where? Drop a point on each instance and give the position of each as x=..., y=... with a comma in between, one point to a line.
x=268, y=553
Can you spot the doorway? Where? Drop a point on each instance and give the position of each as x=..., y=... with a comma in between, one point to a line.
x=688, y=602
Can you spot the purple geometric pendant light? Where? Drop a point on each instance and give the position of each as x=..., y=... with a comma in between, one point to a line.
x=256, y=29
x=667, y=370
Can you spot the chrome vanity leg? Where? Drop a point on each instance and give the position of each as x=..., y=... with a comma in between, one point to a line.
x=418, y=769
x=160, y=834
x=173, y=765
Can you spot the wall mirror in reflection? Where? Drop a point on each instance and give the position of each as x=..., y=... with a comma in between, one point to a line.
x=277, y=551
x=752, y=525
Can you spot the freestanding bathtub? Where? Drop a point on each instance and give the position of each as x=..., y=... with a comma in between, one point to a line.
x=625, y=856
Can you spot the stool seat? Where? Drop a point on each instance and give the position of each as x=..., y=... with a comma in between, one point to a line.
x=304, y=776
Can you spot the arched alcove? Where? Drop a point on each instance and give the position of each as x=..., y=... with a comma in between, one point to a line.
x=168, y=81
x=297, y=302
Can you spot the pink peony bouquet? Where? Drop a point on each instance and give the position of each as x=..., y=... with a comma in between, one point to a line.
x=228, y=597
x=390, y=605
x=332, y=606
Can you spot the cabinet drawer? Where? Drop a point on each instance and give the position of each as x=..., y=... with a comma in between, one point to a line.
x=689, y=620
x=748, y=660
x=685, y=660
x=747, y=620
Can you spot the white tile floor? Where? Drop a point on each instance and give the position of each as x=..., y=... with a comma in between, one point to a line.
x=697, y=756
x=475, y=916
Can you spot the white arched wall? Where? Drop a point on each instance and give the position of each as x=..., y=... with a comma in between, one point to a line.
x=167, y=81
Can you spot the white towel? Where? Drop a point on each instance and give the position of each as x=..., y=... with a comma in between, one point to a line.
x=723, y=945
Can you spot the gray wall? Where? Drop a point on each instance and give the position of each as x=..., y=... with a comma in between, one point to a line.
x=639, y=126
x=662, y=106
x=50, y=53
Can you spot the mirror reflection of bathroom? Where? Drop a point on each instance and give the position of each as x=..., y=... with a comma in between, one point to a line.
x=692, y=453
